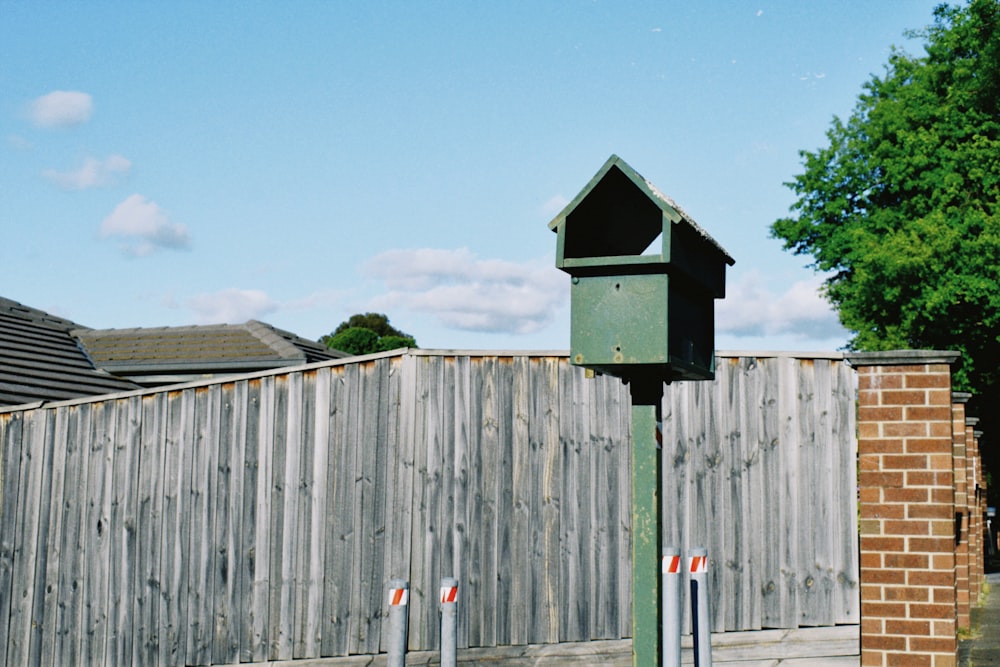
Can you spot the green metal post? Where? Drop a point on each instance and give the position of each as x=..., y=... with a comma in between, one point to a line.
x=646, y=627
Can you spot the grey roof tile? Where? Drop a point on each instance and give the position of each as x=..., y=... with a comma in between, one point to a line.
x=41, y=361
x=199, y=349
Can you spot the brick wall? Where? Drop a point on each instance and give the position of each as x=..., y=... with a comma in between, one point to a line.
x=907, y=505
x=963, y=597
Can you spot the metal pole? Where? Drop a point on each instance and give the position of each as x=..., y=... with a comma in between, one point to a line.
x=672, y=616
x=701, y=610
x=449, y=622
x=647, y=395
x=399, y=598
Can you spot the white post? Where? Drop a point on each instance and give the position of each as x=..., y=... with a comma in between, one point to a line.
x=449, y=622
x=672, y=576
x=700, y=608
x=399, y=598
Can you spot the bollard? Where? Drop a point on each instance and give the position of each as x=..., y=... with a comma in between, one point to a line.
x=671, y=604
x=399, y=598
x=449, y=622
x=700, y=609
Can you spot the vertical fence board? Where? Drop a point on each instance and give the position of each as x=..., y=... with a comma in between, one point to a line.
x=790, y=392
x=604, y=510
x=201, y=513
x=318, y=468
x=473, y=513
x=522, y=596
x=380, y=535
x=124, y=515
x=175, y=529
x=304, y=630
x=339, y=576
x=730, y=560
x=47, y=582
x=428, y=560
x=773, y=529
x=575, y=528
x=624, y=457
x=848, y=599
x=96, y=547
x=69, y=612
x=284, y=512
x=255, y=642
x=14, y=455
x=446, y=542
x=548, y=496
x=505, y=501
x=484, y=514
x=461, y=550
x=402, y=437
x=278, y=617
x=753, y=406
x=247, y=562
x=816, y=555
x=226, y=579
x=400, y=392
x=370, y=585
x=62, y=551
x=846, y=594
x=146, y=628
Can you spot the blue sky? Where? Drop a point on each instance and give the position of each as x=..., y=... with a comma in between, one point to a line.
x=181, y=163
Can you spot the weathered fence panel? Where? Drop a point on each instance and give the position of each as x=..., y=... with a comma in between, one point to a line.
x=259, y=518
x=760, y=470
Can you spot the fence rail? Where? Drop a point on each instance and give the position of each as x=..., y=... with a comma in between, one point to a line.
x=260, y=517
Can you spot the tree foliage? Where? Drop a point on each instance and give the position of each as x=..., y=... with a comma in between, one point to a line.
x=902, y=208
x=367, y=333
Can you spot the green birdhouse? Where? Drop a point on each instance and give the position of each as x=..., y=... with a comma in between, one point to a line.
x=645, y=278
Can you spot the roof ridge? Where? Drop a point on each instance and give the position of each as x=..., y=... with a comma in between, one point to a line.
x=37, y=316
x=181, y=328
x=273, y=338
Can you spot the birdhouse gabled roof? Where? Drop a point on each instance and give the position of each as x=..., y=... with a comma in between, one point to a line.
x=642, y=215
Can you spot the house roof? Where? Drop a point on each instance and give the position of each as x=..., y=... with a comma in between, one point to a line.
x=41, y=361
x=162, y=354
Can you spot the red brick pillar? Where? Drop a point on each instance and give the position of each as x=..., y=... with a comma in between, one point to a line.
x=978, y=572
x=907, y=505
x=983, y=502
x=975, y=518
x=959, y=447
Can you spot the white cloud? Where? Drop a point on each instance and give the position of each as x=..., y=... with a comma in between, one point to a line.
x=554, y=205
x=231, y=306
x=144, y=227
x=465, y=292
x=61, y=108
x=93, y=173
x=751, y=309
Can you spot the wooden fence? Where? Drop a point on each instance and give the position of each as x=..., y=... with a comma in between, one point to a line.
x=259, y=518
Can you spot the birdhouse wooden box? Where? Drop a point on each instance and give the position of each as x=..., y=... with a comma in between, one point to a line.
x=644, y=280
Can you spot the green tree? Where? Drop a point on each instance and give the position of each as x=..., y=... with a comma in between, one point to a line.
x=367, y=333
x=377, y=322
x=902, y=208
x=903, y=205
